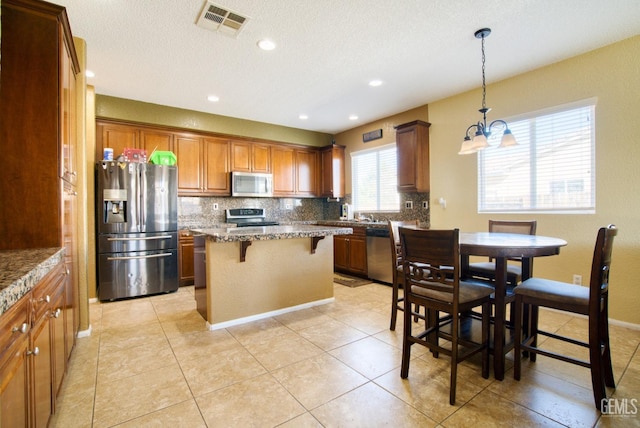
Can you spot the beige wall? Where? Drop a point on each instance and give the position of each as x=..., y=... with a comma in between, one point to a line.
x=137, y=111
x=612, y=75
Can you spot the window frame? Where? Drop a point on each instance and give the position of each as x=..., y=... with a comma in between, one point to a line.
x=534, y=161
x=379, y=197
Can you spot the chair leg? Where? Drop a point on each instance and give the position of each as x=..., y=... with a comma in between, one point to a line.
x=394, y=305
x=606, y=355
x=454, y=358
x=406, y=345
x=533, y=329
x=517, y=352
x=486, y=321
x=431, y=316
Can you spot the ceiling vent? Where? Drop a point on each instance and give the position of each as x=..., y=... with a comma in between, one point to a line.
x=221, y=20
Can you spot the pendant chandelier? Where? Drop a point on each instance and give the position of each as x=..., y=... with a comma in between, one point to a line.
x=482, y=131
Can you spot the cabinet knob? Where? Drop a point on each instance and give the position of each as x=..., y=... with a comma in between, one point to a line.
x=56, y=313
x=36, y=351
x=46, y=298
x=22, y=329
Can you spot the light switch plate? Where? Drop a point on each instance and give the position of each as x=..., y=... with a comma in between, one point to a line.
x=215, y=207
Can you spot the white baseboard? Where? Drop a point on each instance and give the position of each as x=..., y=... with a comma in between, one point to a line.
x=624, y=324
x=84, y=333
x=264, y=315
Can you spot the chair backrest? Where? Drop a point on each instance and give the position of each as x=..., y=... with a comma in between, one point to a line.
x=600, y=268
x=522, y=227
x=394, y=238
x=440, y=251
x=513, y=226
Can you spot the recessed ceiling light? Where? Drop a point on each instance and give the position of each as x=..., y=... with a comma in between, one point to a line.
x=89, y=73
x=375, y=83
x=213, y=98
x=353, y=117
x=303, y=117
x=266, y=44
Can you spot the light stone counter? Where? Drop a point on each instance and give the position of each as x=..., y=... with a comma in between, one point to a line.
x=258, y=272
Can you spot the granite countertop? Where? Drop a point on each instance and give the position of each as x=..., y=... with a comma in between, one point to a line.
x=263, y=233
x=21, y=270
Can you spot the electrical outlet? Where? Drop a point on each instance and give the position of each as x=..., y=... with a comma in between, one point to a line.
x=215, y=207
x=288, y=206
x=425, y=204
x=408, y=205
x=577, y=279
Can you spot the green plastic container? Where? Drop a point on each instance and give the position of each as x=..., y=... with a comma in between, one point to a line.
x=163, y=158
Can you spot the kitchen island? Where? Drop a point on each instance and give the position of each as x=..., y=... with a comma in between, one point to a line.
x=257, y=272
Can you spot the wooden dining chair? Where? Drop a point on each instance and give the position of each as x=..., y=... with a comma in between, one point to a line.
x=431, y=264
x=591, y=301
x=397, y=301
x=487, y=270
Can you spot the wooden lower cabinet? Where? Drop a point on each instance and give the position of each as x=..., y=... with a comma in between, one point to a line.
x=350, y=252
x=185, y=258
x=32, y=353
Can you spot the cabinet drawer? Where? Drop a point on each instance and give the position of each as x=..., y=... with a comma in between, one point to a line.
x=46, y=291
x=14, y=324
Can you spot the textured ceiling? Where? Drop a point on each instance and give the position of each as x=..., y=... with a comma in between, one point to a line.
x=328, y=50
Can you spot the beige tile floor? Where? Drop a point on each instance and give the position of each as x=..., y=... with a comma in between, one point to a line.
x=151, y=362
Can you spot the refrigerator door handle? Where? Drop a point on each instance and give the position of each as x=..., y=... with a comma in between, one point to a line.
x=146, y=238
x=152, y=256
x=142, y=173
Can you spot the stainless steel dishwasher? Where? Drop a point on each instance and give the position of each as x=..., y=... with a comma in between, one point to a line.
x=379, y=255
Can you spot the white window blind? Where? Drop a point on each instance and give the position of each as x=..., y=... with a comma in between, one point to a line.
x=374, y=179
x=552, y=169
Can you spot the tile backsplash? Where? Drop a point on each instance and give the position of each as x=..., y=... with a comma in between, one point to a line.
x=201, y=212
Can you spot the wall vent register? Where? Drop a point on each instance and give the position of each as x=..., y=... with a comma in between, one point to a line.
x=219, y=19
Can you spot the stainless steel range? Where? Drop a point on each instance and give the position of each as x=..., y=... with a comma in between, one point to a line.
x=246, y=217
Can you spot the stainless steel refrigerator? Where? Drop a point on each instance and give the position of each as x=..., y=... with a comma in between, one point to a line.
x=137, y=222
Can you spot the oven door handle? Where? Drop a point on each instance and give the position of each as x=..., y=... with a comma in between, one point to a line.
x=152, y=256
x=146, y=238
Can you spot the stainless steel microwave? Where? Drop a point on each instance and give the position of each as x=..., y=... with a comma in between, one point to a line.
x=251, y=184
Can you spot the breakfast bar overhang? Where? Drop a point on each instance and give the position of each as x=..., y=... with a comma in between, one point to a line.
x=256, y=272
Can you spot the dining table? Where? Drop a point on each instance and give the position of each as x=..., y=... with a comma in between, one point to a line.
x=501, y=247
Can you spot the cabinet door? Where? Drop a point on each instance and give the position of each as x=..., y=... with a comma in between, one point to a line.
x=306, y=173
x=358, y=255
x=14, y=386
x=241, y=156
x=69, y=238
x=216, y=167
x=57, y=326
x=185, y=259
x=40, y=356
x=332, y=165
x=412, y=141
x=341, y=252
x=189, y=154
x=282, y=166
x=68, y=116
x=151, y=140
x=118, y=137
x=261, y=158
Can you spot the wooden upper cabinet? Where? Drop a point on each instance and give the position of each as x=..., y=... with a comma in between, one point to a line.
x=332, y=182
x=306, y=162
x=282, y=166
x=116, y=136
x=250, y=157
x=68, y=116
x=188, y=150
x=216, y=166
x=412, y=142
x=151, y=140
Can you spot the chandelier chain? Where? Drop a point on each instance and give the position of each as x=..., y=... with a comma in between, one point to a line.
x=484, y=87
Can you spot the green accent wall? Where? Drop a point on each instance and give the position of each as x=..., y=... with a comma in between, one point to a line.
x=155, y=114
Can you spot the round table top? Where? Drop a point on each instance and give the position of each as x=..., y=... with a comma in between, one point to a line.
x=508, y=244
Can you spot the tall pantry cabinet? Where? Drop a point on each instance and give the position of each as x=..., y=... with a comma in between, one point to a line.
x=38, y=122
